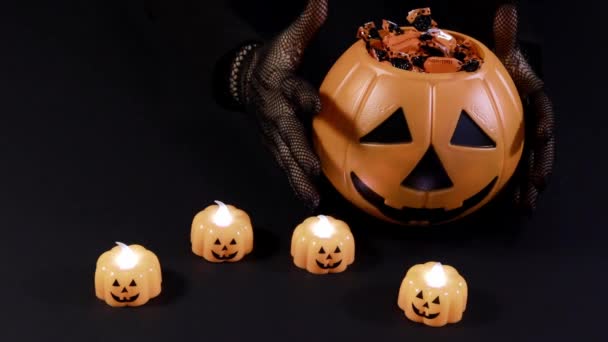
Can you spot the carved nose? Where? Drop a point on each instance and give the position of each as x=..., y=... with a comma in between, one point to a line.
x=225, y=248
x=124, y=289
x=328, y=257
x=426, y=305
x=429, y=174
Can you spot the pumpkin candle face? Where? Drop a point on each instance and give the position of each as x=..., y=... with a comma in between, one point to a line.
x=221, y=233
x=433, y=294
x=127, y=276
x=323, y=245
x=418, y=148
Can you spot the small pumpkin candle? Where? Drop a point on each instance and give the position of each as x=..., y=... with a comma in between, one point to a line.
x=322, y=245
x=221, y=233
x=433, y=294
x=127, y=276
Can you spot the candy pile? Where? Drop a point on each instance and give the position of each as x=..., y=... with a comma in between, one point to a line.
x=421, y=48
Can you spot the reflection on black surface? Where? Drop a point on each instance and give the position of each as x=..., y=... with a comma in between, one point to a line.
x=174, y=286
x=60, y=286
x=265, y=244
x=483, y=308
x=374, y=303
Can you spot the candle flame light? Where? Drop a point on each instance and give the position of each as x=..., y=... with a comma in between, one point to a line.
x=436, y=276
x=323, y=228
x=127, y=259
x=222, y=216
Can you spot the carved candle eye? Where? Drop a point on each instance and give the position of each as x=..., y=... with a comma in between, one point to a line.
x=323, y=245
x=221, y=233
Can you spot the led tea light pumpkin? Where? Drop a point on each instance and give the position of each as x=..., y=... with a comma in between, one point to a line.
x=322, y=245
x=221, y=233
x=127, y=276
x=433, y=294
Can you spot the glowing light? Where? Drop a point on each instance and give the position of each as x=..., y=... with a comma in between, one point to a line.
x=436, y=276
x=126, y=259
x=323, y=228
x=222, y=216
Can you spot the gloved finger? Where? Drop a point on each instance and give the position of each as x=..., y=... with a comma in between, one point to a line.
x=545, y=116
x=268, y=132
x=505, y=39
x=530, y=197
x=505, y=30
x=300, y=181
x=292, y=133
x=287, y=48
x=543, y=165
x=525, y=78
x=303, y=95
x=524, y=193
x=543, y=141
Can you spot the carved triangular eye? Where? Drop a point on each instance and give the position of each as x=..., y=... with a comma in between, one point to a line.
x=217, y=242
x=337, y=250
x=133, y=283
x=393, y=130
x=419, y=295
x=436, y=300
x=233, y=242
x=469, y=134
x=115, y=283
x=321, y=251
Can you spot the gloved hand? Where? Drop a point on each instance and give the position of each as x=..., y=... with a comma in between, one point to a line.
x=262, y=81
x=537, y=160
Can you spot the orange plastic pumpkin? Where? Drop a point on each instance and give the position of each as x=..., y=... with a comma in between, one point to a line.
x=418, y=148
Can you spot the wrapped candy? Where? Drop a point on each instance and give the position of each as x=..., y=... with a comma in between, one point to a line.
x=423, y=47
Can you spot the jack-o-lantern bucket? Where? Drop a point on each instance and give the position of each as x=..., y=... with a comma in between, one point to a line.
x=418, y=148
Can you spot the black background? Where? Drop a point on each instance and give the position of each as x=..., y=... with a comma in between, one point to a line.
x=109, y=133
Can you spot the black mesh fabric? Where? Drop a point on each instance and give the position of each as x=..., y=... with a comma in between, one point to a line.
x=262, y=81
x=539, y=153
x=260, y=78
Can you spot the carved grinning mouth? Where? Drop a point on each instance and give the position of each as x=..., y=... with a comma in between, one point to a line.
x=224, y=257
x=328, y=266
x=124, y=299
x=408, y=214
x=429, y=316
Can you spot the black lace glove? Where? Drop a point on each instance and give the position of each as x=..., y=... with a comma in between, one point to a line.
x=539, y=153
x=262, y=81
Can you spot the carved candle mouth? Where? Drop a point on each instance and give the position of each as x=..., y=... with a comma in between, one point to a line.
x=124, y=299
x=425, y=315
x=329, y=266
x=224, y=257
x=409, y=214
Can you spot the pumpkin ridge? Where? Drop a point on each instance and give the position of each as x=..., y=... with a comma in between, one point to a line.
x=367, y=89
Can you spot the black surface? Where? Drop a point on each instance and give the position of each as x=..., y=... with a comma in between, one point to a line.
x=109, y=133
